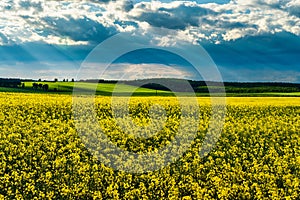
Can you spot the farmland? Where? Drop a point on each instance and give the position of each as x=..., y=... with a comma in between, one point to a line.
x=124, y=88
x=104, y=89
x=257, y=156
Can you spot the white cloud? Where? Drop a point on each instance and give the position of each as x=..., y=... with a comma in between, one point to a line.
x=144, y=71
x=129, y=71
x=215, y=22
x=81, y=22
x=30, y=21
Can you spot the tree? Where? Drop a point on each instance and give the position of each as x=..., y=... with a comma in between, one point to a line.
x=23, y=85
x=55, y=80
x=72, y=80
x=45, y=87
x=35, y=86
x=64, y=80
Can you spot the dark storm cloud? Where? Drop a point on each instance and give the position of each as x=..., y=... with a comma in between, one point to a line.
x=82, y=29
x=179, y=17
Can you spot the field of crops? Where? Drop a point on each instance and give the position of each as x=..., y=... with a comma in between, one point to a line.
x=42, y=157
x=123, y=89
x=105, y=89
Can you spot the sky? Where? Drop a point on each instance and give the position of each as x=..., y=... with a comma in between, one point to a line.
x=257, y=40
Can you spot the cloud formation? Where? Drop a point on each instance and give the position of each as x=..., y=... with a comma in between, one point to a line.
x=238, y=34
x=72, y=22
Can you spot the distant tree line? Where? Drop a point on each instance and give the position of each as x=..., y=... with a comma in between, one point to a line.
x=230, y=87
x=54, y=80
x=9, y=82
x=98, y=81
x=67, y=80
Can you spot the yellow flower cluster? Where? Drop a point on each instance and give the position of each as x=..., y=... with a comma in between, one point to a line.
x=43, y=157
